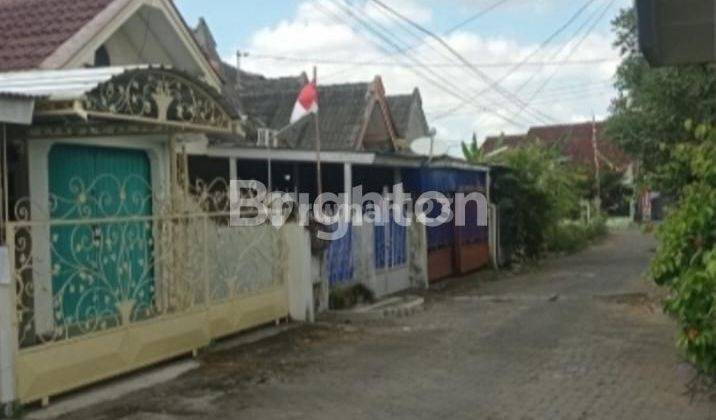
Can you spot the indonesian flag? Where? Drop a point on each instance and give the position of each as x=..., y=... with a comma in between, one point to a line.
x=307, y=102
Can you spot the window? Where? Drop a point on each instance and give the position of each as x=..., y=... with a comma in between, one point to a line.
x=101, y=57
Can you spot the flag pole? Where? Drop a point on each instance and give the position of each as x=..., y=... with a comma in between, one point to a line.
x=318, y=139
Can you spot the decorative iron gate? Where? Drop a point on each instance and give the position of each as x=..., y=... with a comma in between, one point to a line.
x=114, y=277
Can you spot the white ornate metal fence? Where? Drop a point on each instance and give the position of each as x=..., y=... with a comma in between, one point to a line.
x=113, y=281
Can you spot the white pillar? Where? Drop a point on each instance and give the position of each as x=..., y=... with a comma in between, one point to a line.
x=233, y=170
x=348, y=183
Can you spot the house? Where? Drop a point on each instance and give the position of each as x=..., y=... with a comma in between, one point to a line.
x=115, y=261
x=451, y=249
x=576, y=142
x=122, y=129
x=357, y=129
x=355, y=126
x=587, y=148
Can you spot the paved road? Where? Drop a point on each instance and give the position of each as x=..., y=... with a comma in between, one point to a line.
x=580, y=338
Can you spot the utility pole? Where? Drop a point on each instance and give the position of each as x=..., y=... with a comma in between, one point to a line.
x=239, y=56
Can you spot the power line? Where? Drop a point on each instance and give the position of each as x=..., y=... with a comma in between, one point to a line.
x=417, y=67
x=484, y=77
x=574, y=48
x=495, y=64
x=557, y=98
x=539, y=48
x=452, y=89
x=564, y=92
x=480, y=13
x=595, y=19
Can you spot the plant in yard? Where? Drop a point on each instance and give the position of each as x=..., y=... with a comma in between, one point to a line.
x=473, y=152
x=676, y=159
x=572, y=236
x=540, y=190
x=686, y=257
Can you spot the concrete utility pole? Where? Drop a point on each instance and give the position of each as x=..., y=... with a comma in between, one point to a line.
x=239, y=56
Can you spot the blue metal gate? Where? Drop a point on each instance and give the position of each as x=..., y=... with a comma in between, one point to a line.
x=391, y=241
x=340, y=259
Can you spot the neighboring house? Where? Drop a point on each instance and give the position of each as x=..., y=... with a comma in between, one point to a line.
x=451, y=249
x=409, y=117
x=356, y=127
x=115, y=261
x=576, y=142
x=496, y=144
x=583, y=145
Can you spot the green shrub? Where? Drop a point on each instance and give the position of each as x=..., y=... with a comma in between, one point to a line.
x=349, y=297
x=541, y=190
x=570, y=237
x=686, y=258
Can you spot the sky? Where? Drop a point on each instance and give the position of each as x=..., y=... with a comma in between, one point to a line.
x=519, y=64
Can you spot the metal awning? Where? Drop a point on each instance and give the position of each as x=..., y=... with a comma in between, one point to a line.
x=16, y=109
x=137, y=94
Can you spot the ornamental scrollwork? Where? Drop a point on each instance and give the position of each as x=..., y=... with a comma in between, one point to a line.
x=158, y=95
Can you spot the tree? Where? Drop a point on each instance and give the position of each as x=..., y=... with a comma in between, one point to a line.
x=648, y=115
x=651, y=118
x=540, y=190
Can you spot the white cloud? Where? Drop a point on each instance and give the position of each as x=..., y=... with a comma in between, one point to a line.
x=574, y=92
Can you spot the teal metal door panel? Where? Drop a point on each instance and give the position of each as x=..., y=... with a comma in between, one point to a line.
x=102, y=270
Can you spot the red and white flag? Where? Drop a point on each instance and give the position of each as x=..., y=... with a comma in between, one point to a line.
x=307, y=102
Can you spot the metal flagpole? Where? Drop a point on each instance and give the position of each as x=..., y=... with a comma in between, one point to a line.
x=5, y=173
x=317, y=119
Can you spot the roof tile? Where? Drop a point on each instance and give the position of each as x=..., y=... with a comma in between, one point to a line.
x=31, y=30
x=572, y=140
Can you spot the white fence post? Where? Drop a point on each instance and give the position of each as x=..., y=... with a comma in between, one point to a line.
x=298, y=274
x=8, y=327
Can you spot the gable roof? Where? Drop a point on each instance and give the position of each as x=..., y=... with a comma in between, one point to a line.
x=54, y=34
x=493, y=143
x=404, y=108
x=344, y=110
x=573, y=141
x=31, y=30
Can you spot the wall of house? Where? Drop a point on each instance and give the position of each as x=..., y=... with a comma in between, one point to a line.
x=377, y=136
x=147, y=34
x=122, y=51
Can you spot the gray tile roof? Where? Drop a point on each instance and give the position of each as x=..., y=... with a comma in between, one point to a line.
x=408, y=115
x=400, y=107
x=342, y=112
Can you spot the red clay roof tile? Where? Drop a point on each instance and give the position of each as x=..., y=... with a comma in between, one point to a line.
x=574, y=141
x=31, y=30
